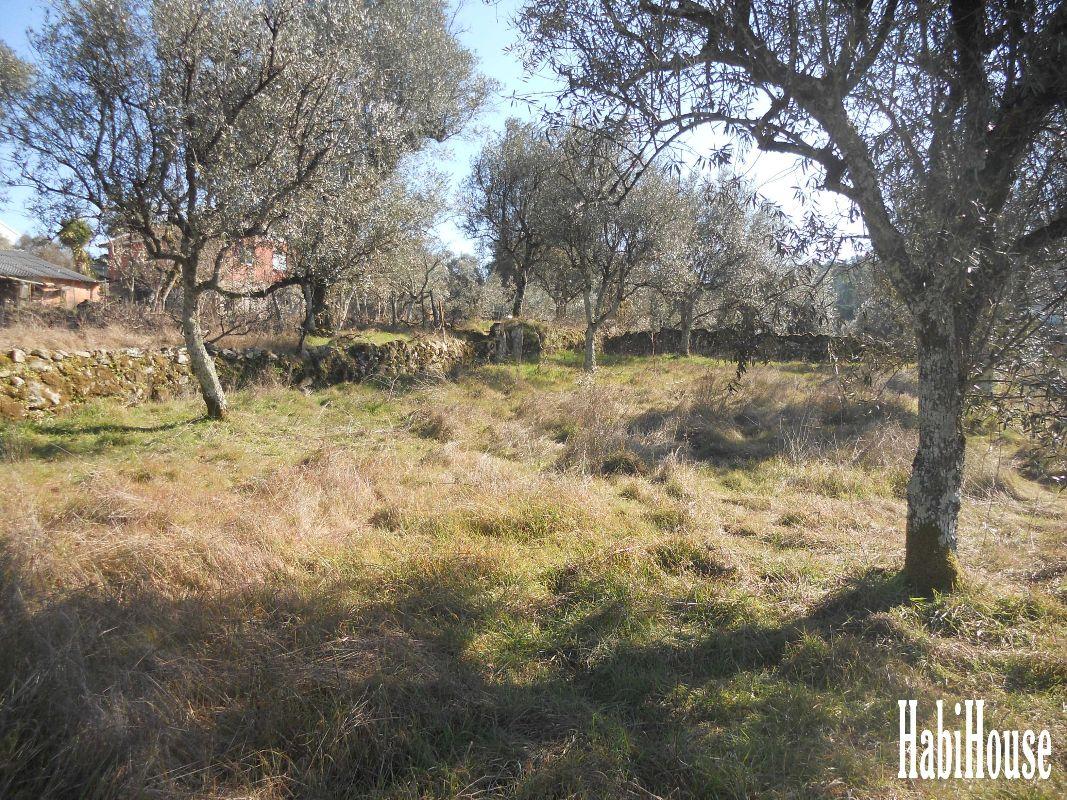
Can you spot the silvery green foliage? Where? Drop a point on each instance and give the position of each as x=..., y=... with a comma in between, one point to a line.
x=14, y=77
x=615, y=228
x=505, y=197
x=727, y=248
x=14, y=73
x=220, y=117
x=362, y=242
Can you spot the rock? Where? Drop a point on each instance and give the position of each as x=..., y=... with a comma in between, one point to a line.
x=40, y=364
x=134, y=352
x=18, y=356
x=35, y=397
x=18, y=382
x=83, y=354
x=59, y=355
x=41, y=353
x=182, y=357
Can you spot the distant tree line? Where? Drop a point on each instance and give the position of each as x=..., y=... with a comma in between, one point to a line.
x=579, y=215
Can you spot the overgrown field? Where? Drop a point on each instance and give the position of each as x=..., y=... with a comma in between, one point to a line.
x=524, y=584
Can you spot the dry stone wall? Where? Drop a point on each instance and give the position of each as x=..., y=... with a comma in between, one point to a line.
x=40, y=381
x=45, y=380
x=341, y=362
x=727, y=343
x=522, y=340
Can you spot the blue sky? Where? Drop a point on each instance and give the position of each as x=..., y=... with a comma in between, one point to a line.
x=485, y=28
x=15, y=17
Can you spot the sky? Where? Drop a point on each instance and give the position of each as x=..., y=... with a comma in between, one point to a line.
x=15, y=17
x=484, y=27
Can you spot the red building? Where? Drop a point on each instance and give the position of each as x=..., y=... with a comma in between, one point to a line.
x=252, y=264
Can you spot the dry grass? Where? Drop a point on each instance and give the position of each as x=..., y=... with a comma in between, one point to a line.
x=27, y=336
x=461, y=590
x=115, y=325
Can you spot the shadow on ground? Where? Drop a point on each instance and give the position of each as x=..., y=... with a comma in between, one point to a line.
x=425, y=685
x=55, y=439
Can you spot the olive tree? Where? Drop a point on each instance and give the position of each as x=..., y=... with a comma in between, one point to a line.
x=215, y=118
x=722, y=244
x=505, y=196
x=348, y=245
x=14, y=73
x=613, y=225
x=941, y=123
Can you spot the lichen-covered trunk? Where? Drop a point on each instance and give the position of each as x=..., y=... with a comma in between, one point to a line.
x=520, y=294
x=685, y=345
x=589, y=363
x=200, y=361
x=937, y=473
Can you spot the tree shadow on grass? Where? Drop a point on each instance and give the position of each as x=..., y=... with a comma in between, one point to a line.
x=58, y=439
x=744, y=436
x=318, y=694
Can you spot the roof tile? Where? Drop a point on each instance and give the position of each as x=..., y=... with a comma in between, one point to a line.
x=26, y=266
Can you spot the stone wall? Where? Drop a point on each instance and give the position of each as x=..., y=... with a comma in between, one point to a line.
x=354, y=360
x=45, y=380
x=42, y=381
x=726, y=344
x=522, y=340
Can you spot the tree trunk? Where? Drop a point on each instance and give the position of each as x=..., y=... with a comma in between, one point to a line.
x=159, y=301
x=589, y=364
x=685, y=345
x=592, y=319
x=200, y=361
x=436, y=315
x=520, y=293
x=937, y=473
x=317, y=317
x=517, y=342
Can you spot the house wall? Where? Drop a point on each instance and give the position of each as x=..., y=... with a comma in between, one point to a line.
x=65, y=296
x=249, y=265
